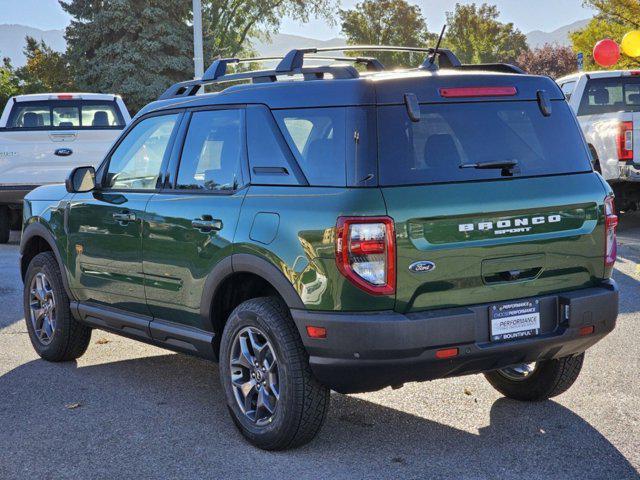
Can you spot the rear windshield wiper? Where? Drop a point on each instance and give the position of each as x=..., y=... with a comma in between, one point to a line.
x=503, y=165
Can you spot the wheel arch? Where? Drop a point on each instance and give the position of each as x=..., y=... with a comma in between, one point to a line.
x=238, y=278
x=37, y=238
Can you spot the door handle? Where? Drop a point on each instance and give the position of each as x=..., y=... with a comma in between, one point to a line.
x=124, y=217
x=207, y=224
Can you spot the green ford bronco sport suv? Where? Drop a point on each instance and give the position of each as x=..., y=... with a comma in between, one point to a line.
x=332, y=227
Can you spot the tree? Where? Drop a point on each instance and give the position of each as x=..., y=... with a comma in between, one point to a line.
x=476, y=36
x=386, y=22
x=8, y=82
x=552, y=60
x=614, y=19
x=139, y=47
x=228, y=25
x=136, y=48
x=45, y=71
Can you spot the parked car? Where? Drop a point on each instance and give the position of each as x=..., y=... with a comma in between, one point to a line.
x=44, y=136
x=319, y=229
x=608, y=108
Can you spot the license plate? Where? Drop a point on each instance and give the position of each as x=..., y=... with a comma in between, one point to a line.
x=519, y=319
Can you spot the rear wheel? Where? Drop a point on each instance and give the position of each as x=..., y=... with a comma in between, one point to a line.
x=54, y=333
x=5, y=224
x=273, y=397
x=537, y=381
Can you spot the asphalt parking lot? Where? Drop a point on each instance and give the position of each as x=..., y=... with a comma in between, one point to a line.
x=127, y=410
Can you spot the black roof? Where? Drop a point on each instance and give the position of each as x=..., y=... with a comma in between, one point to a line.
x=294, y=85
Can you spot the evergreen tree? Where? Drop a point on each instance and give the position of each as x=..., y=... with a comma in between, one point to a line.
x=45, y=71
x=8, y=82
x=135, y=48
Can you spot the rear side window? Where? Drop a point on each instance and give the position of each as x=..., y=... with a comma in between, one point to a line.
x=567, y=88
x=449, y=136
x=609, y=95
x=316, y=137
x=65, y=114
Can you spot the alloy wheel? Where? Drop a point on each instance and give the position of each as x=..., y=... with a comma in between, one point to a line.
x=254, y=375
x=42, y=308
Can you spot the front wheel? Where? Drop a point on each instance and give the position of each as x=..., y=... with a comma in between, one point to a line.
x=538, y=381
x=272, y=395
x=55, y=335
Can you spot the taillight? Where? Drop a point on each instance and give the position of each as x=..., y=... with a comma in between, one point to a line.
x=365, y=253
x=625, y=141
x=610, y=224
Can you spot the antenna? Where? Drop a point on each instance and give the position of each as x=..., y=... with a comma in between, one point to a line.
x=435, y=52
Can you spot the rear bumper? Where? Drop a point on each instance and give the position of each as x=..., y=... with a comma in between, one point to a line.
x=370, y=351
x=14, y=194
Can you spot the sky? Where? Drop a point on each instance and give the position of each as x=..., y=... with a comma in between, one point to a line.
x=527, y=15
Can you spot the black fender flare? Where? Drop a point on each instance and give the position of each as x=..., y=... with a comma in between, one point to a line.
x=247, y=263
x=37, y=229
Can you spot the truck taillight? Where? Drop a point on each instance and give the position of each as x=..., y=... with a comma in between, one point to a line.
x=625, y=141
x=610, y=225
x=366, y=253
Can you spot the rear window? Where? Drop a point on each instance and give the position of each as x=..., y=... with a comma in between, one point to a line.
x=65, y=114
x=610, y=95
x=454, y=134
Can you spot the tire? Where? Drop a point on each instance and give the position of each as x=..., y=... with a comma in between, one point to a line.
x=300, y=410
x=68, y=339
x=549, y=379
x=5, y=224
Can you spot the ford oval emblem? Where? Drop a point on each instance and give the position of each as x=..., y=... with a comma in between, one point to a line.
x=63, y=152
x=421, y=267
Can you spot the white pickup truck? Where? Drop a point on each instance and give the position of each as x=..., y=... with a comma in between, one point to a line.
x=44, y=136
x=607, y=104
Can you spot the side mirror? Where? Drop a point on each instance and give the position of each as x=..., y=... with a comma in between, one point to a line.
x=81, y=179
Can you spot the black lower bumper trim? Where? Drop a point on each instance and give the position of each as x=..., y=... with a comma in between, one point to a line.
x=14, y=194
x=370, y=351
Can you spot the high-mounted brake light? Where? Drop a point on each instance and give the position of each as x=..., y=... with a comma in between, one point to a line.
x=366, y=253
x=610, y=225
x=625, y=141
x=65, y=97
x=462, y=92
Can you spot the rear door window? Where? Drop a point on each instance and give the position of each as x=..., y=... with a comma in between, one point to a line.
x=66, y=114
x=450, y=136
x=610, y=95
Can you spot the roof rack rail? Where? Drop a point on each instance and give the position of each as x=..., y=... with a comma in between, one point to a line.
x=492, y=67
x=293, y=64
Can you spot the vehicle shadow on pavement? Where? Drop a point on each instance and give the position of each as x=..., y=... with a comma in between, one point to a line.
x=165, y=417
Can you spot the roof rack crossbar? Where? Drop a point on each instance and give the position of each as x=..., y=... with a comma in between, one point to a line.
x=191, y=87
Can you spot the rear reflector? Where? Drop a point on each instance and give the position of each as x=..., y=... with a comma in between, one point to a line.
x=316, y=332
x=478, y=92
x=586, y=330
x=447, y=353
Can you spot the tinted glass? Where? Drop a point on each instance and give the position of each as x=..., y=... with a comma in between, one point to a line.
x=136, y=163
x=65, y=114
x=451, y=135
x=212, y=152
x=269, y=156
x=608, y=95
x=317, y=139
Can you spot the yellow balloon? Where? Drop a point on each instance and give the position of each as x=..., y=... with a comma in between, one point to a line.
x=631, y=43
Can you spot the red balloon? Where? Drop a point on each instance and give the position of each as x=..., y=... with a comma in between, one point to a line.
x=606, y=53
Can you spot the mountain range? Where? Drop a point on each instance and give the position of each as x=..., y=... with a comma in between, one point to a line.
x=12, y=40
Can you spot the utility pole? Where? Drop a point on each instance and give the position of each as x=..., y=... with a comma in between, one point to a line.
x=198, y=55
